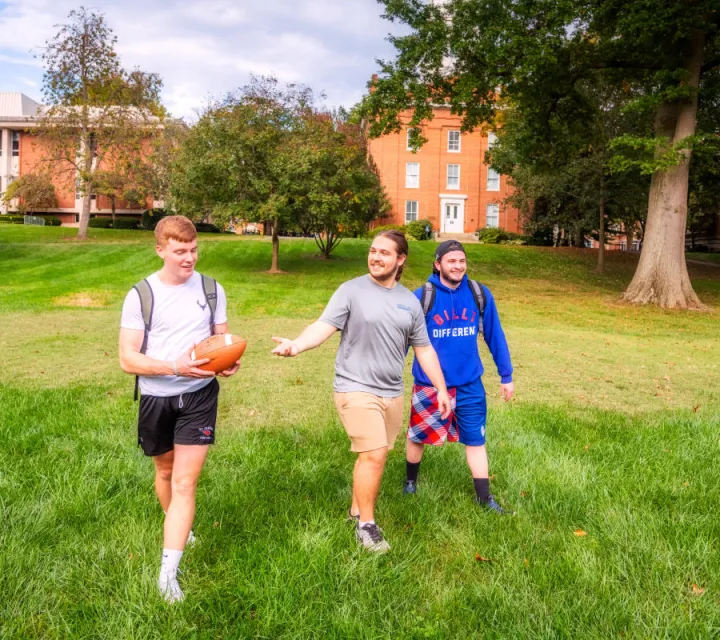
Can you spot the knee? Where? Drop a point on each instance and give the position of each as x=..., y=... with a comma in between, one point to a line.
x=164, y=475
x=184, y=486
x=374, y=458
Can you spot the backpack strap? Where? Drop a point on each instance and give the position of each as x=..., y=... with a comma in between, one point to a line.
x=210, y=290
x=428, y=298
x=147, y=302
x=479, y=295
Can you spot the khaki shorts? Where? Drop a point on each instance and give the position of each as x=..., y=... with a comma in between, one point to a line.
x=370, y=421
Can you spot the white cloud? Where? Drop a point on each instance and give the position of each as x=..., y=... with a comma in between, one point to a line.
x=209, y=47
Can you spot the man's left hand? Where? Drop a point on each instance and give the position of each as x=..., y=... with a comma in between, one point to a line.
x=230, y=372
x=507, y=390
x=444, y=404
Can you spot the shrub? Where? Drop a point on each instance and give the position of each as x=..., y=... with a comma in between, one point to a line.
x=9, y=219
x=416, y=229
x=206, y=227
x=100, y=223
x=151, y=217
x=52, y=221
x=492, y=235
x=125, y=223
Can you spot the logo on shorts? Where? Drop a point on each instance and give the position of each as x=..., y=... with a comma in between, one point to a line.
x=207, y=432
x=482, y=431
x=202, y=306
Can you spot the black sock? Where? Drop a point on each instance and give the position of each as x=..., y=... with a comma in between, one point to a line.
x=411, y=470
x=482, y=489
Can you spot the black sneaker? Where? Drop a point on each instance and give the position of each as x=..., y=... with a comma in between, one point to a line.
x=493, y=505
x=410, y=487
x=371, y=537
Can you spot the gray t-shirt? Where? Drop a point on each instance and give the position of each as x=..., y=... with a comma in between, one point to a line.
x=377, y=326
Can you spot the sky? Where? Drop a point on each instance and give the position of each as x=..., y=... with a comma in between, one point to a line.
x=205, y=48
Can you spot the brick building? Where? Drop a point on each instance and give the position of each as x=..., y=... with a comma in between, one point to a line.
x=446, y=181
x=21, y=152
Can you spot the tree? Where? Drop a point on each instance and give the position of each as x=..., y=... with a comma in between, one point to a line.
x=235, y=159
x=471, y=53
x=571, y=168
x=99, y=114
x=336, y=187
x=34, y=192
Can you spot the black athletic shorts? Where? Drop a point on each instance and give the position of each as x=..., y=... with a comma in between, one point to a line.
x=185, y=419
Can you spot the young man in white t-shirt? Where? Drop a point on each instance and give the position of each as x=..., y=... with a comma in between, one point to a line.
x=178, y=404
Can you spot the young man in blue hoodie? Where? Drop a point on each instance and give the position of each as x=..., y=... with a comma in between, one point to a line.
x=454, y=323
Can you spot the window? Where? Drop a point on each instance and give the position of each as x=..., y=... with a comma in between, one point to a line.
x=454, y=141
x=492, y=215
x=411, y=210
x=15, y=143
x=492, y=140
x=412, y=175
x=453, y=176
x=407, y=143
x=0, y=143
x=493, y=181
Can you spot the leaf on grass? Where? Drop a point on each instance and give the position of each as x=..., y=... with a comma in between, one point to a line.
x=106, y=353
x=131, y=556
x=216, y=524
x=526, y=563
x=667, y=450
x=580, y=533
x=251, y=412
x=480, y=558
x=686, y=484
x=587, y=446
x=523, y=494
x=299, y=381
x=695, y=408
x=697, y=591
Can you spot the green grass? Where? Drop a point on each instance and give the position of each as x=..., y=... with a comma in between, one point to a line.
x=615, y=431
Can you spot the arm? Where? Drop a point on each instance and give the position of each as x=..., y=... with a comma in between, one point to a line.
x=495, y=339
x=136, y=363
x=313, y=336
x=428, y=360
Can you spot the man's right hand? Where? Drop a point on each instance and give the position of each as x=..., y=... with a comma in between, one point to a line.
x=188, y=368
x=286, y=348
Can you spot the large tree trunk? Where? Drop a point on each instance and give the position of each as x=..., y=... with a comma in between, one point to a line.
x=661, y=276
x=601, y=238
x=275, y=268
x=84, y=217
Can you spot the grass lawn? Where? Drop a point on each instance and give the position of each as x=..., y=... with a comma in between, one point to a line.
x=614, y=433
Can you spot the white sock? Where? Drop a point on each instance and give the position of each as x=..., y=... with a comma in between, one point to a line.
x=170, y=562
x=362, y=524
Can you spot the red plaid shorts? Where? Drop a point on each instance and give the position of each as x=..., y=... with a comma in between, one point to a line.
x=426, y=424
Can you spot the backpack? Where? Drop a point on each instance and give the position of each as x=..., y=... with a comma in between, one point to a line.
x=147, y=302
x=428, y=298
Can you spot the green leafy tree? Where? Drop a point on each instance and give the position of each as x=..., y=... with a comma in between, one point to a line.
x=471, y=54
x=98, y=113
x=34, y=192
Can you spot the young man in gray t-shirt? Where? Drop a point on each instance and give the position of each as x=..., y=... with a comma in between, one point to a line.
x=379, y=319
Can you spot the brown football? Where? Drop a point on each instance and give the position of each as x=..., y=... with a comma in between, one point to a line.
x=223, y=349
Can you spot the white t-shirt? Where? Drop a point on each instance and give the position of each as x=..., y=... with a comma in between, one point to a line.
x=180, y=318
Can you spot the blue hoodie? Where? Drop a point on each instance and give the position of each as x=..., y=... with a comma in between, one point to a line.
x=453, y=325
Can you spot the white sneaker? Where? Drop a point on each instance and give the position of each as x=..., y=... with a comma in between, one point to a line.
x=371, y=537
x=191, y=539
x=170, y=589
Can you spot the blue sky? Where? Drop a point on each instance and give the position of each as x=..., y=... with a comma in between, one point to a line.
x=205, y=48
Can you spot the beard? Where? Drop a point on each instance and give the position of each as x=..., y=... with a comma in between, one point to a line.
x=452, y=277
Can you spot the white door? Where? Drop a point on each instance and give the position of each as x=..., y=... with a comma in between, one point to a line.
x=454, y=218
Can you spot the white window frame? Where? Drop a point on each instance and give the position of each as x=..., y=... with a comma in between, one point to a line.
x=409, y=177
x=408, y=206
x=496, y=208
x=493, y=180
x=492, y=140
x=15, y=137
x=459, y=144
x=455, y=187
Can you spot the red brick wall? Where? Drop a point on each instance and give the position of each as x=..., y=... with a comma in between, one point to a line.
x=390, y=154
